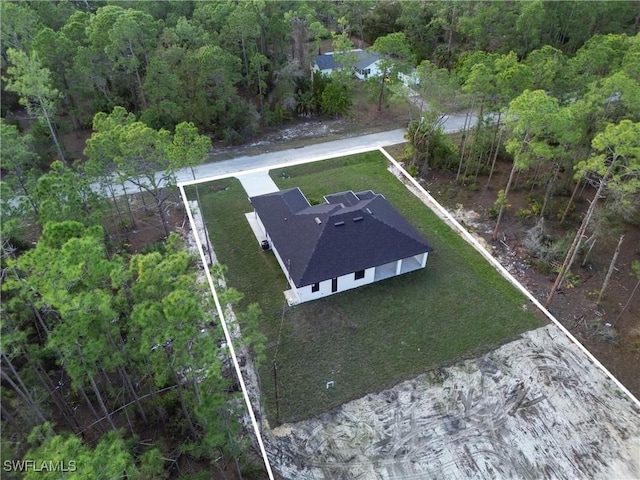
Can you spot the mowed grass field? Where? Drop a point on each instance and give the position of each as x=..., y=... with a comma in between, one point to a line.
x=368, y=339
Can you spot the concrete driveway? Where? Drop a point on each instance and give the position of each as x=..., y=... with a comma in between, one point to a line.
x=257, y=183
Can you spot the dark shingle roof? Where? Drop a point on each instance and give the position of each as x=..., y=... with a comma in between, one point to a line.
x=327, y=61
x=351, y=232
x=365, y=59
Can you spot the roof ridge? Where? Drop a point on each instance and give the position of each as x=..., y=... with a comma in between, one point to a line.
x=312, y=251
x=329, y=245
x=393, y=227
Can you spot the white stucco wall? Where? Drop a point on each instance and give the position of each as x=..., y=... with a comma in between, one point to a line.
x=327, y=71
x=409, y=79
x=275, y=252
x=375, y=71
x=345, y=282
x=261, y=225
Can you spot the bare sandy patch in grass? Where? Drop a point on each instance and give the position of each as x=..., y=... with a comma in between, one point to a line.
x=534, y=407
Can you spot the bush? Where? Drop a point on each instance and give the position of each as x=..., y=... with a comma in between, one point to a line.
x=444, y=153
x=532, y=210
x=544, y=249
x=432, y=148
x=571, y=279
x=159, y=247
x=319, y=83
x=469, y=181
x=232, y=137
x=603, y=329
x=273, y=118
x=336, y=100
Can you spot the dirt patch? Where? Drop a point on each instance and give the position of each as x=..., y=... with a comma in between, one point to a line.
x=303, y=131
x=136, y=225
x=299, y=132
x=598, y=327
x=464, y=421
x=75, y=143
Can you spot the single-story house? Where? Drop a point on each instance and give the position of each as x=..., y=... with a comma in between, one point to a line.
x=366, y=66
x=349, y=240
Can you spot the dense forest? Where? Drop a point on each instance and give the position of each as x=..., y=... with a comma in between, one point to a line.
x=98, y=362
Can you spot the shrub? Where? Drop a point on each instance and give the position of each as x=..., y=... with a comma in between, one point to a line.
x=232, y=137
x=469, y=181
x=501, y=202
x=605, y=330
x=544, y=250
x=571, y=279
x=273, y=118
x=336, y=100
x=444, y=153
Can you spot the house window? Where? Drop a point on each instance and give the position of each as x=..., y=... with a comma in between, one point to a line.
x=359, y=275
x=334, y=285
x=315, y=287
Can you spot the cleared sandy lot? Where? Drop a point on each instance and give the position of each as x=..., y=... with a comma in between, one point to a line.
x=534, y=408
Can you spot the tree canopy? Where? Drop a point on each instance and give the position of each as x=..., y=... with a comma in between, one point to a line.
x=126, y=337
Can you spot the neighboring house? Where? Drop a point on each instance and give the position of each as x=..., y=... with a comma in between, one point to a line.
x=350, y=240
x=409, y=79
x=367, y=65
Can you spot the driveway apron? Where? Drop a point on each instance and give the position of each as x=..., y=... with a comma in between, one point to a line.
x=257, y=183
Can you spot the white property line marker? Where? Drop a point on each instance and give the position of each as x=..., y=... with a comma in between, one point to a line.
x=227, y=337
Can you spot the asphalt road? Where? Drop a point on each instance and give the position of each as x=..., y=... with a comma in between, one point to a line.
x=336, y=148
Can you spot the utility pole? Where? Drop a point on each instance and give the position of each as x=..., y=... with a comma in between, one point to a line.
x=275, y=382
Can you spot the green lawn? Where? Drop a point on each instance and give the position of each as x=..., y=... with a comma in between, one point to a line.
x=373, y=337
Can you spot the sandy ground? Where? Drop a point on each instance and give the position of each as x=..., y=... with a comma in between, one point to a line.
x=534, y=408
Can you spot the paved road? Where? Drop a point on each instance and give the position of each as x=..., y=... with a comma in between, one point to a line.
x=337, y=148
